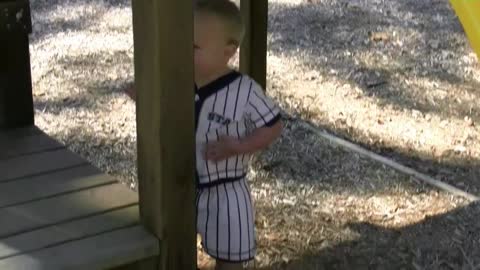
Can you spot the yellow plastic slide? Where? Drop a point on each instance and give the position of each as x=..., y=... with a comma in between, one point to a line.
x=469, y=13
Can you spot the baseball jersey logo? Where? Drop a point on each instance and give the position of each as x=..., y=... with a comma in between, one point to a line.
x=217, y=118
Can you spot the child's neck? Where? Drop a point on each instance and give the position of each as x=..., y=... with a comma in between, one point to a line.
x=202, y=81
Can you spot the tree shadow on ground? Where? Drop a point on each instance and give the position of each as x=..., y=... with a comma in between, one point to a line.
x=302, y=157
x=309, y=158
x=49, y=17
x=446, y=241
x=337, y=38
x=93, y=92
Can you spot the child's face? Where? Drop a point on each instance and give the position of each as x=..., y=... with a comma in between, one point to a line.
x=212, y=52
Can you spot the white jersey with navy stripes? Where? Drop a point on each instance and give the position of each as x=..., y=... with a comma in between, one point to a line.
x=233, y=105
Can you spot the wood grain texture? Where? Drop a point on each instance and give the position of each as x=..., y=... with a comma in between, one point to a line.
x=16, y=100
x=38, y=163
x=103, y=251
x=69, y=231
x=52, y=184
x=20, y=146
x=163, y=40
x=38, y=214
x=253, y=52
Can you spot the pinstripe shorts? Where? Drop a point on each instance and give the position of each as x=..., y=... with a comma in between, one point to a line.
x=225, y=221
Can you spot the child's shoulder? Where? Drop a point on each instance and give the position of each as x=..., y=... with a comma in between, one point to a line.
x=248, y=82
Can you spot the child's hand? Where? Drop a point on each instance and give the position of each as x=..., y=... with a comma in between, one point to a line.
x=222, y=149
x=131, y=93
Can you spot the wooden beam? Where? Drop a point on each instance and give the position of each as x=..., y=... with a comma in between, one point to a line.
x=16, y=102
x=163, y=40
x=253, y=52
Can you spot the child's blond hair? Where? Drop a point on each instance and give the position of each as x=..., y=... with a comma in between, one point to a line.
x=228, y=13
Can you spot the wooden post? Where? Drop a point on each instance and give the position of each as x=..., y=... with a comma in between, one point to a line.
x=253, y=52
x=16, y=102
x=163, y=40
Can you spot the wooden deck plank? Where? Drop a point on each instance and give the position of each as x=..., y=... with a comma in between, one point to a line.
x=145, y=264
x=59, y=212
x=26, y=217
x=27, y=145
x=12, y=133
x=47, y=185
x=38, y=163
x=70, y=231
x=99, y=252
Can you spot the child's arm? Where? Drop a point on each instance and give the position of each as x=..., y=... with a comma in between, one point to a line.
x=265, y=117
x=227, y=146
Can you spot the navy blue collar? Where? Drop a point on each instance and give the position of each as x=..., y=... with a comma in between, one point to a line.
x=217, y=84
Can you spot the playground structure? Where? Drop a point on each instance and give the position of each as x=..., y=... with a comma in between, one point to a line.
x=58, y=211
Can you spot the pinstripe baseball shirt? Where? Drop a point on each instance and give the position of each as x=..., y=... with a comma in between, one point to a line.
x=232, y=105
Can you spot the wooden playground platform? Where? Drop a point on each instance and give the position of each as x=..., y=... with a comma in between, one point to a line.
x=59, y=212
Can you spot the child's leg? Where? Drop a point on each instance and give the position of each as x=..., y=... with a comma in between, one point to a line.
x=225, y=220
x=219, y=265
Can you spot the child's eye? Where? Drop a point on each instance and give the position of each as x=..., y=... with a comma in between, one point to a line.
x=196, y=47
